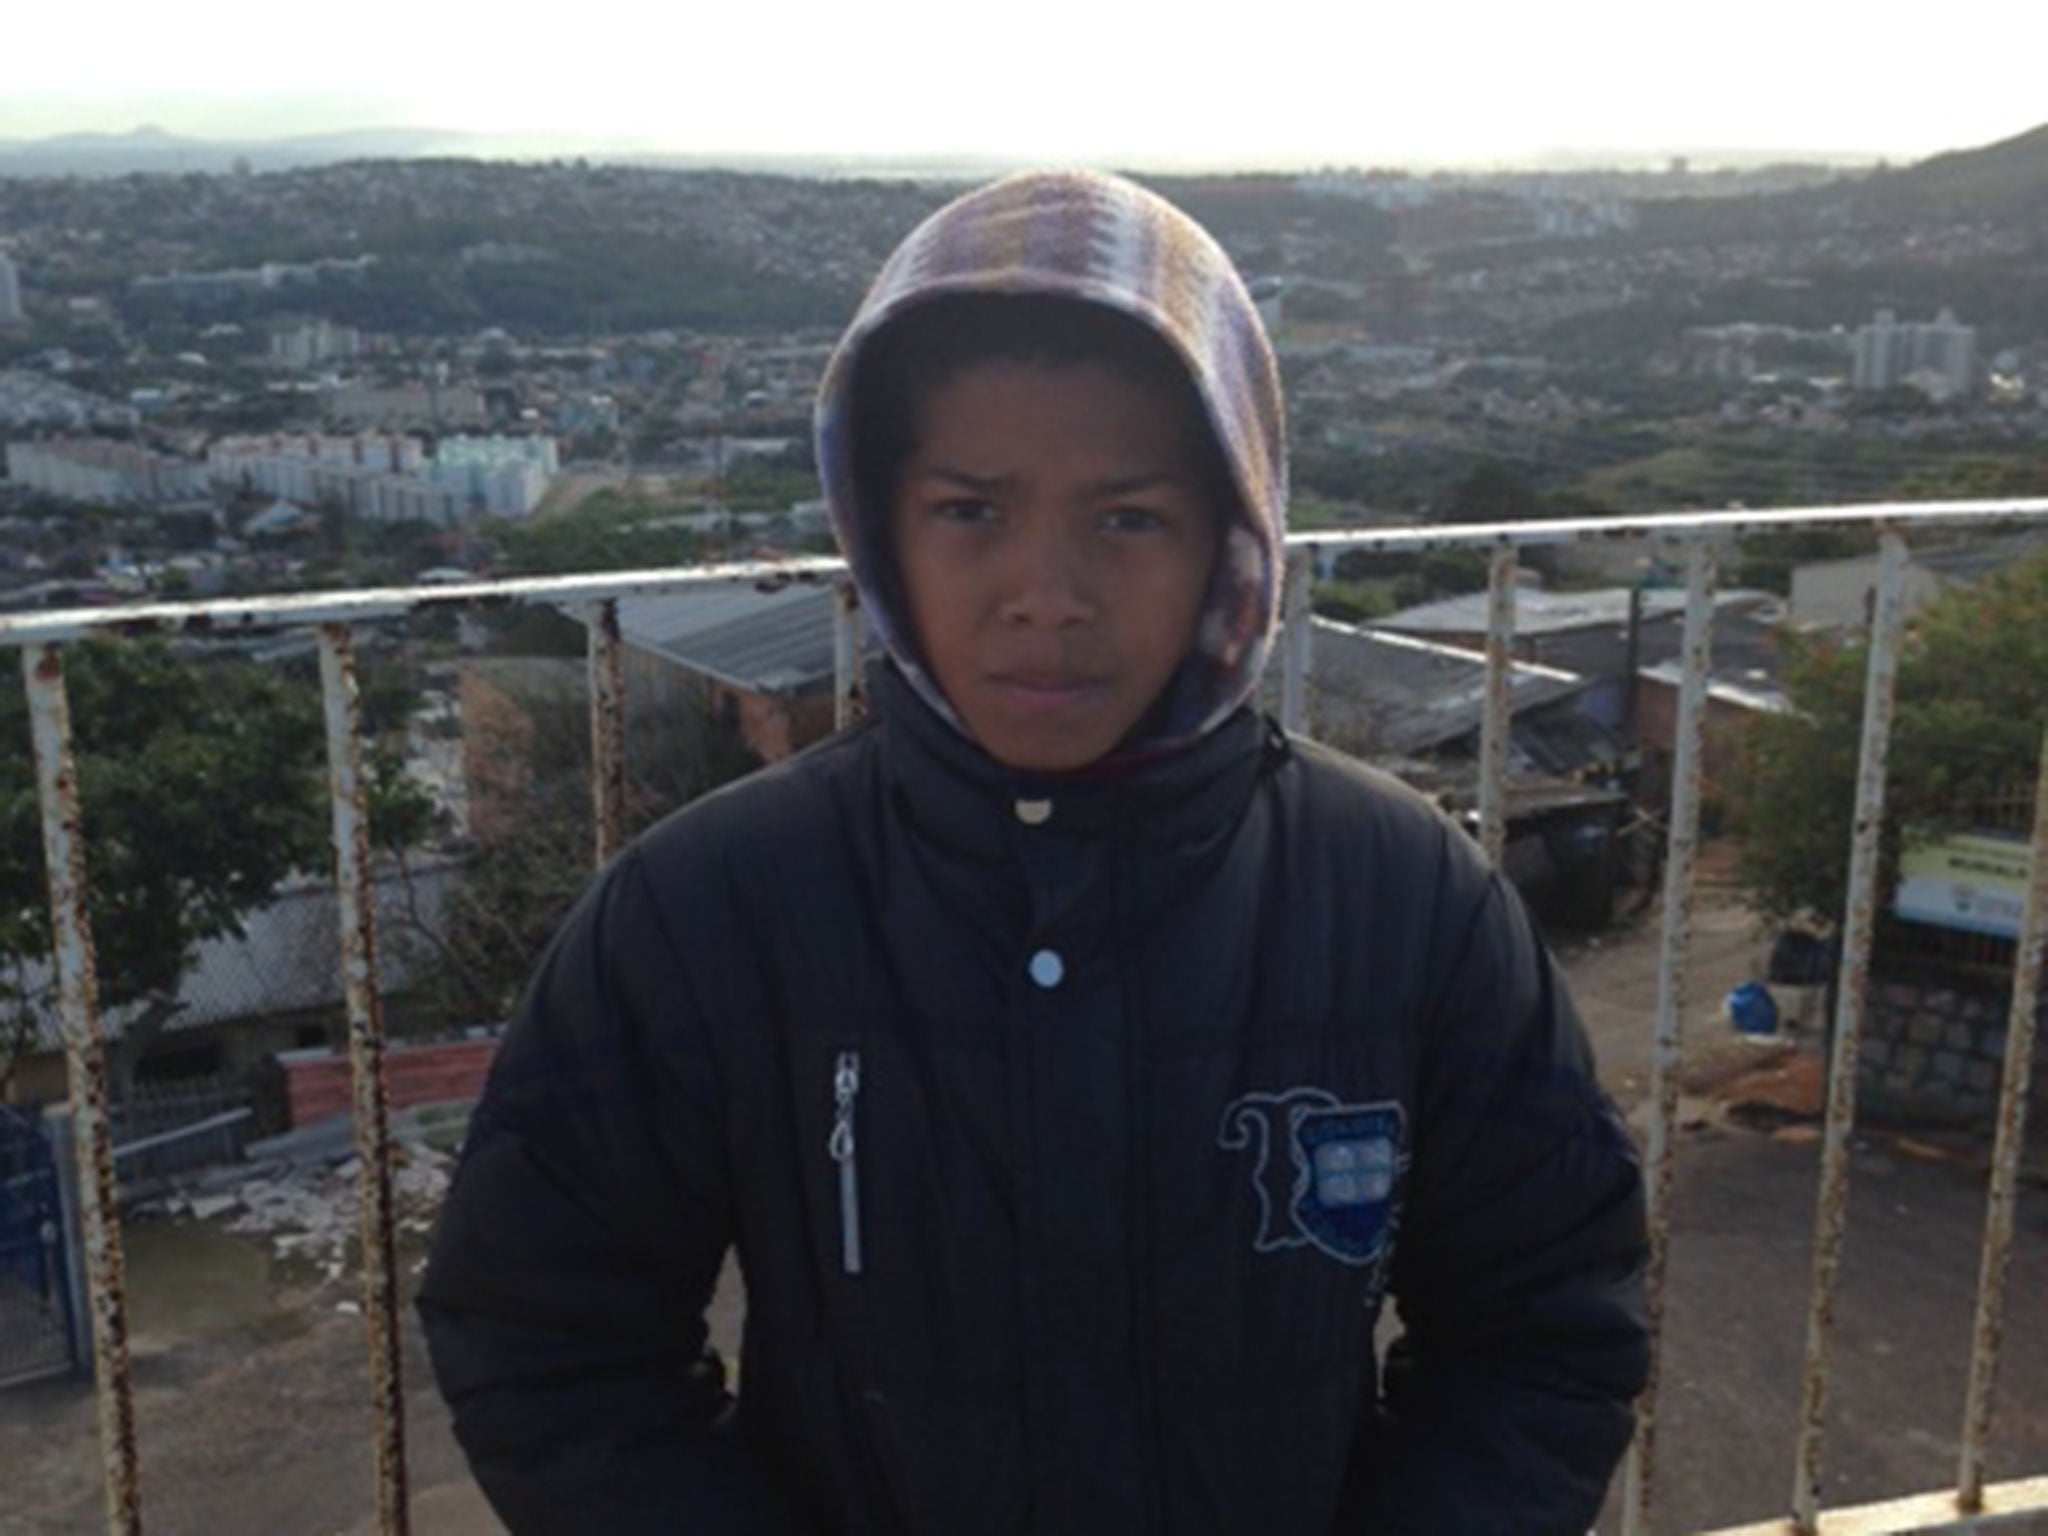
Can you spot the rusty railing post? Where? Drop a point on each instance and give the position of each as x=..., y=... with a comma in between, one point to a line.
x=2021, y=1024
x=849, y=688
x=1887, y=623
x=1497, y=724
x=78, y=1002
x=1673, y=958
x=1297, y=593
x=607, y=729
x=356, y=899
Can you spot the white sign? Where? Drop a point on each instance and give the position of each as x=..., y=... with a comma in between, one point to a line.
x=1975, y=881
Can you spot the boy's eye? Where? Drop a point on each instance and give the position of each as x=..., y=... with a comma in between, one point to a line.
x=1132, y=520
x=967, y=511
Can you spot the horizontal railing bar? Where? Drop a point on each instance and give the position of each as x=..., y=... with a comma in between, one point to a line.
x=230, y=617
x=262, y=615
x=2016, y=1507
x=1679, y=525
x=183, y=1132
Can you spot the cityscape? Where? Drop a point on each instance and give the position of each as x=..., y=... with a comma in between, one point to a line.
x=384, y=365
x=207, y=379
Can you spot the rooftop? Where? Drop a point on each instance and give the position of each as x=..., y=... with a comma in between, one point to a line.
x=772, y=643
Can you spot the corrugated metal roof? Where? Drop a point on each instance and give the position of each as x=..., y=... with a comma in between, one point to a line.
x=1759, y=697
x=758, y=642
x=287, y=958
x=1403, y=696
x=1537, y=612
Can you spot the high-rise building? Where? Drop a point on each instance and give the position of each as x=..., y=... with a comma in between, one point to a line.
x=10, y=293
x=1938, y=357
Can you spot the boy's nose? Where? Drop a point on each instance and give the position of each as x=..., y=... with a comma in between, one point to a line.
x=1047, y=583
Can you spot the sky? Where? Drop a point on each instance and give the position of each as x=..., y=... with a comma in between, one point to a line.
x=1125, y=82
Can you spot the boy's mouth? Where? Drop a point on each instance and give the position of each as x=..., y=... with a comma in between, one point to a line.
x=1034, y=688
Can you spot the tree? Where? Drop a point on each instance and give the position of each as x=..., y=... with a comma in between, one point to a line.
x=200, y=788
x=1972, y=701
x=1493, y=492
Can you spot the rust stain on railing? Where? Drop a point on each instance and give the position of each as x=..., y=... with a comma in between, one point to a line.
x=78, y=1003
x=1988, y=1333
x=607, y=729
x=1674, y=955
x=375, y=1224
x=1497, y=723
x=849, y=688
x=1887, y=623
x=1297, y=637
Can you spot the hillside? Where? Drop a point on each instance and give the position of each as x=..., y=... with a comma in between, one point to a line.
x=2008, y=180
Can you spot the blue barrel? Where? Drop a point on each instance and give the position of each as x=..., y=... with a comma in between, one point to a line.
x=1752, y=1010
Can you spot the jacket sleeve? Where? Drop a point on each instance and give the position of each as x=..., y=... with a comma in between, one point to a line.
x=1519, y=1262
x=578, y=1249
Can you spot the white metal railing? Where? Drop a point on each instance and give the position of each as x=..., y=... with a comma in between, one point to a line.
x=1970, y=1506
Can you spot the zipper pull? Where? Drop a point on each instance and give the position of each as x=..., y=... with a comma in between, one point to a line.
x=845, y=1093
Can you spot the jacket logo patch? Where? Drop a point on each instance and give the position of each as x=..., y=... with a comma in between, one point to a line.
x=1335, y=1191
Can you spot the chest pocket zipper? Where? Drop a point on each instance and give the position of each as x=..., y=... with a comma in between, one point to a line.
x=845, y=1152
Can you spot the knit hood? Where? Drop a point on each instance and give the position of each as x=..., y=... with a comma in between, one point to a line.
x=1108, y=241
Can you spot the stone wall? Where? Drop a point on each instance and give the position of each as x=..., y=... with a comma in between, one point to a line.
x=1934, y=1050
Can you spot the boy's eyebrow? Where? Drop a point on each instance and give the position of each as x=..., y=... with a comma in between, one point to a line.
x=1144, y=480
x=1113, y=485
x=966, y=479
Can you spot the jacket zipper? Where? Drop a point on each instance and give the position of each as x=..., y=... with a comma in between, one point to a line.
x=845, y=1094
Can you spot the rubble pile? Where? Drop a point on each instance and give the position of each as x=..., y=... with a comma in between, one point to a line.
x=307, y=1209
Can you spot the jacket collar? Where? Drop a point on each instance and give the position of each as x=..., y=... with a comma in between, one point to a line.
x=951, y=791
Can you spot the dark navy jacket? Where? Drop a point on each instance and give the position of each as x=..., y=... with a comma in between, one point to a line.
x=1069, y=1134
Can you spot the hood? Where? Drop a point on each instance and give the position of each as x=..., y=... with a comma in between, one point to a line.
x=1108, y=241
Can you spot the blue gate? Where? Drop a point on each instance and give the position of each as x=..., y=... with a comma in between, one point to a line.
x=36, y=1333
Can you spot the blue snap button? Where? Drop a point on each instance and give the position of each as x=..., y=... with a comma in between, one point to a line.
x=1048, y=969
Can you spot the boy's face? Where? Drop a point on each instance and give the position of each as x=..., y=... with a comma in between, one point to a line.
x=1054, y=537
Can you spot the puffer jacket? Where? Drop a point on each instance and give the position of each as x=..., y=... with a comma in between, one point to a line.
x=1068, y=1135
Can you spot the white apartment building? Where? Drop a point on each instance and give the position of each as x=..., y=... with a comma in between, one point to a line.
x=10, y=292
x=312, y=342
x=1938, y=357
x=387, y=477
x=282, y=464
x=369, y=473
x=504, y=476
x=116, y=474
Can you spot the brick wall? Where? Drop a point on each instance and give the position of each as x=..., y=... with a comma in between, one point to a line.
x=317, y=1084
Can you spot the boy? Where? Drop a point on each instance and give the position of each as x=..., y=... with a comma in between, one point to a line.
x=1072, y=1059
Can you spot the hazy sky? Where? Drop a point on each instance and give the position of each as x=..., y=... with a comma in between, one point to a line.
x=1343, y=81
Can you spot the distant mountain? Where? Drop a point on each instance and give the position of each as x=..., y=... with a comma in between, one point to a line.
x=150, y=149
x=2001, y=186
x=2011, y=175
